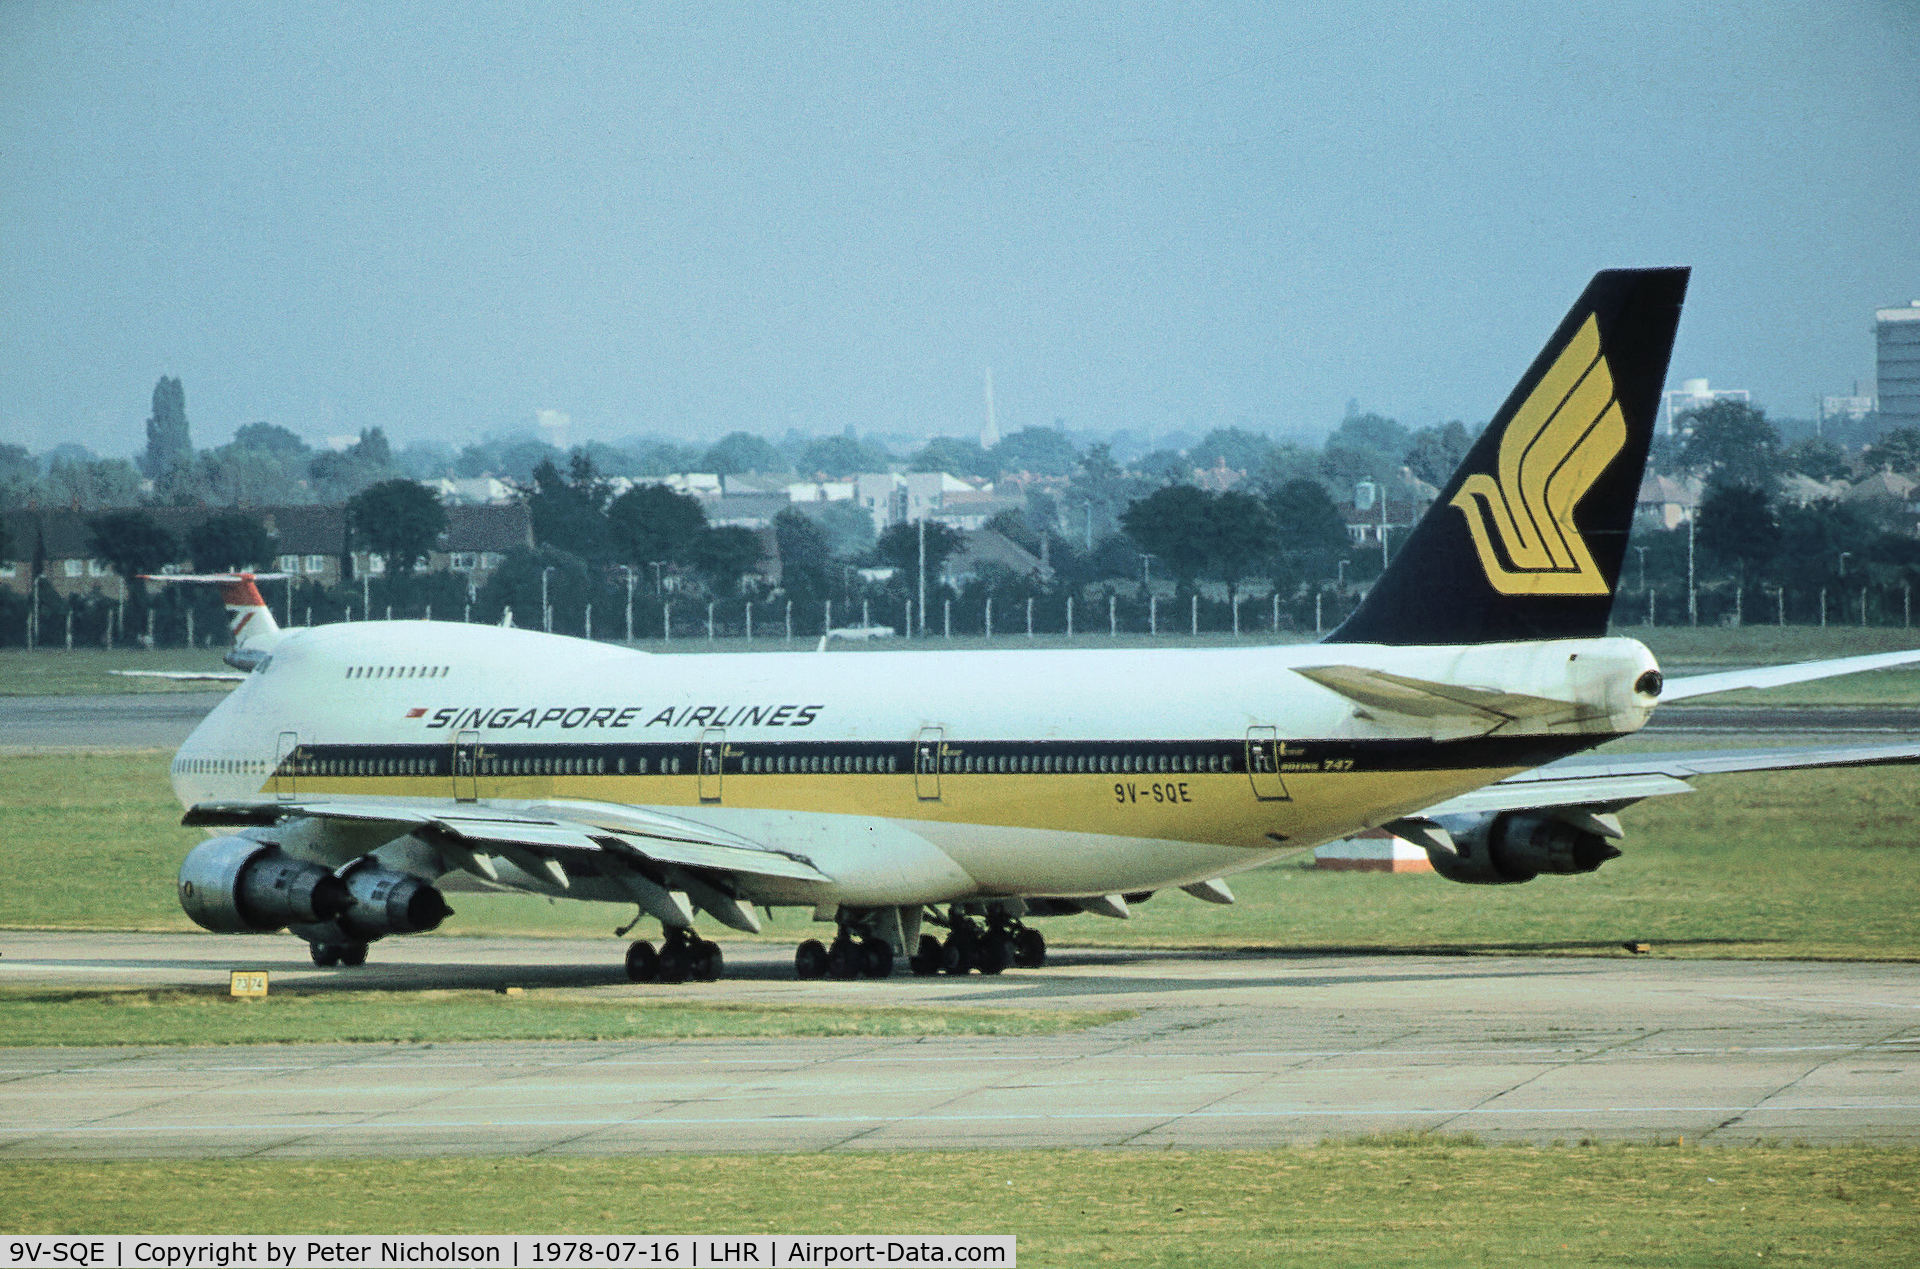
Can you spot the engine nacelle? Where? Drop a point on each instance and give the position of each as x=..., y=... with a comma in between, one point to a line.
x=381, y=902
x=1515, y=846
x=235, y=885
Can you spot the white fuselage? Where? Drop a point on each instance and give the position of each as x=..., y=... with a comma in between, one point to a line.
x=907, y=776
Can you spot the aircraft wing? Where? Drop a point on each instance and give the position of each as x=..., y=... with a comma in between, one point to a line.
x=659, y=856
x=1778, y=675
x=1609, y=782
x=184, y=676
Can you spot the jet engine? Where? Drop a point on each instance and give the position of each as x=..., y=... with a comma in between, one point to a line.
x=380, y=902
x=234, y=885
x=1515, y=846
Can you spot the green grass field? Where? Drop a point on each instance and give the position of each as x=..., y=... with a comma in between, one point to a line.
x=1414, y=1201
x=89, y=671
x=1781, y=864
x=55, y=671
x=54, y=1016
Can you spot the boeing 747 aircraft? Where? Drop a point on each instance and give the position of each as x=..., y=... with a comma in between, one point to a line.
x=360, y=772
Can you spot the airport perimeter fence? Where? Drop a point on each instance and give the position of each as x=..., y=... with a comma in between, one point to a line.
x=180, y=617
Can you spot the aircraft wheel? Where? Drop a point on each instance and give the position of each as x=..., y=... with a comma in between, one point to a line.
x=643, y=963
x=927, y=960
x=353, y=954
x=708, y=962
x=675, y=959
x=877, y=957
x=994, y=953
x=1029, y=949
x=810, y=959
x=325, y=955
x=955, y=955
x=844, y=959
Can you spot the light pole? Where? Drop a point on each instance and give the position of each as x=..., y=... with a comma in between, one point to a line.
x=546, y=609
x=1693, y=596
x=1844, y=557
x=629, y=572
x=1643, y=566
x=1340, y=574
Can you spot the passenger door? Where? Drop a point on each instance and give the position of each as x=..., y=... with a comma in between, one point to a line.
x=466, y=767
x=1263, y=765
x=926, y=763
x=713, y=758
x=286, y=761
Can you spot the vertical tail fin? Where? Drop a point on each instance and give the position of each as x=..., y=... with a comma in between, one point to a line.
x=1526, y=540
x=249, y=620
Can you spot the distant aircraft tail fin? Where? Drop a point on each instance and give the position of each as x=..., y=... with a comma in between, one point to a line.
x=249, y=620
x=1526, y=539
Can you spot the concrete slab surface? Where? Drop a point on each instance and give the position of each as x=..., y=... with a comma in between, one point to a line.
x=1224, y=1050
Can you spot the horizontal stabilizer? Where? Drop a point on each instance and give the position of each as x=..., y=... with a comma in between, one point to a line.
x=1780, y=675
x=1612, y=781
x=1423, y=698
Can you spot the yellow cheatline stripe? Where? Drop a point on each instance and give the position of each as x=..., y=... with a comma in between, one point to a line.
x=1220, y=810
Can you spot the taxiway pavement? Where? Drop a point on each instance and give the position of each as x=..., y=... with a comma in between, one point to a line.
x=1222, y=1050
x=132, y=720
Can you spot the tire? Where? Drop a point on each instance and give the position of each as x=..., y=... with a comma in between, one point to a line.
x=844, y=959
x=325, y=955
x=643, y=963
x=709, y=964
x=876, y=958
x=995, y=953
x=353, y=954
x=674, y=963
x=810, y=959
x=926, y=961
x=1029, y=949
x=954, y=957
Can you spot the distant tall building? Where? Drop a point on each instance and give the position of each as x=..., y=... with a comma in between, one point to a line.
x=1697, y=394
x=990, y=430
x=1897, y=344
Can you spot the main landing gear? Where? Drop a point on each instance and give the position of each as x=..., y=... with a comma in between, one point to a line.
x=847, y=957
x=985, y=937
x=327, y=955
x=683, y=956
x=1000, y=944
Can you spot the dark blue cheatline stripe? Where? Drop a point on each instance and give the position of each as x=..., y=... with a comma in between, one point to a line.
x=956, y=757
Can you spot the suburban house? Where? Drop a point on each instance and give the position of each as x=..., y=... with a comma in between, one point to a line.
x=311, y=542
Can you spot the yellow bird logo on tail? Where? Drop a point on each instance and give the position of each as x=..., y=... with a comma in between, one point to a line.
x=1560, y=439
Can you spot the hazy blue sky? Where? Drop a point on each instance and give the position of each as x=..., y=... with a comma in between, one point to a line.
x=689, y=219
